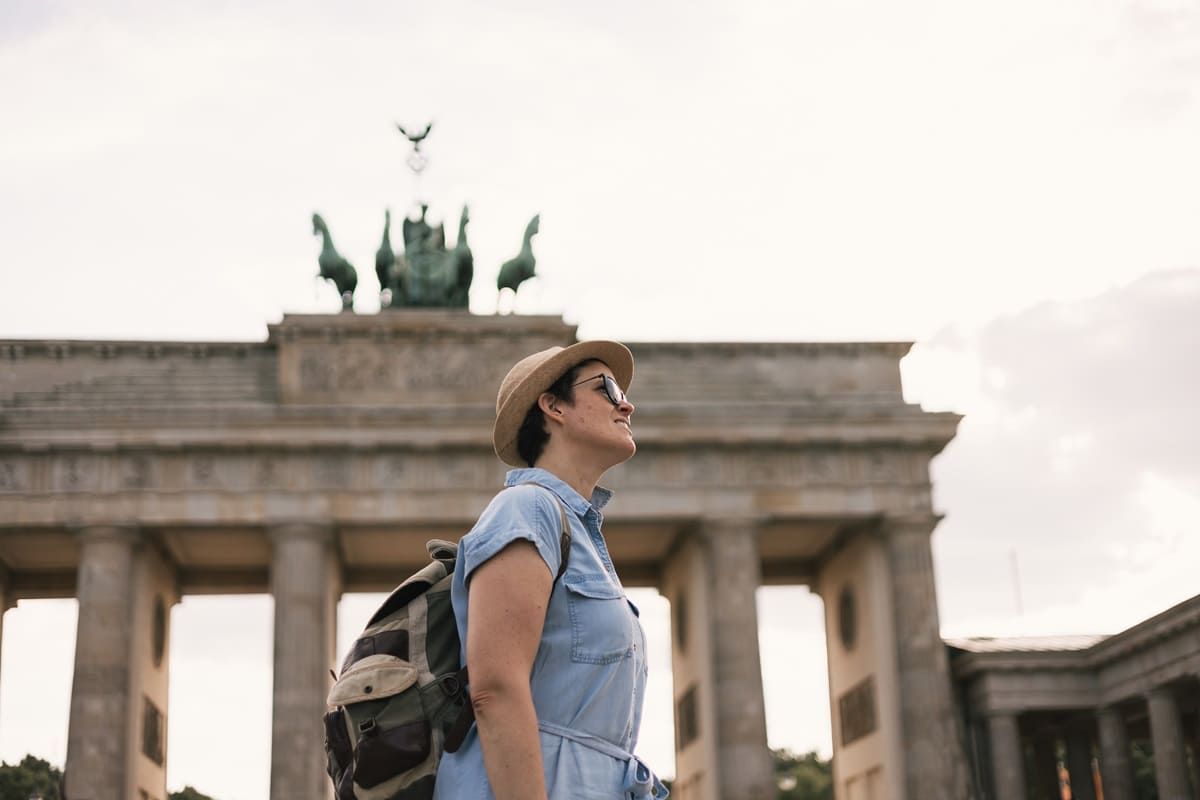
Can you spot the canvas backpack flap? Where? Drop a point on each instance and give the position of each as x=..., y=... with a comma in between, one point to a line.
x=375, y=677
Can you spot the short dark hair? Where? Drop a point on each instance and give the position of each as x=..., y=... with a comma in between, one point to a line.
x=532, y=437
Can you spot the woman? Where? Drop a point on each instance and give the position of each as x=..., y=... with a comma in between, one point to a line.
x=557, y=664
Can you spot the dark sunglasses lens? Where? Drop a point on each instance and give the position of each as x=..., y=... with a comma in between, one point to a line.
x=615, y=395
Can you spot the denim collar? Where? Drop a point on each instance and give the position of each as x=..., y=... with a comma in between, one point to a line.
x=572, y=498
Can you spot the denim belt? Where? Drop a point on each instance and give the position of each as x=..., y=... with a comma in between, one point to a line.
x=640, y=780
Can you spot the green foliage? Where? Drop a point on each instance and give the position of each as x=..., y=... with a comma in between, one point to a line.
x=33, y=777
x=1144, y=786
x=802, y=777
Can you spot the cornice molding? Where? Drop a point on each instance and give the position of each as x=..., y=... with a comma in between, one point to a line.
x=1143, y=636
x=66, y=349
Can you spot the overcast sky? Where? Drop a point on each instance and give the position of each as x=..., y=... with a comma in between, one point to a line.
x=1015, y=186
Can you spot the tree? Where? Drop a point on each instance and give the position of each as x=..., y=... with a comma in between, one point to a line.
x=33, y=777
x=188, y=793
x=802, y=777
x=1144, y=785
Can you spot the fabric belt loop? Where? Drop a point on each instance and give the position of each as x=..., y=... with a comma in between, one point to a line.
x=640, y=780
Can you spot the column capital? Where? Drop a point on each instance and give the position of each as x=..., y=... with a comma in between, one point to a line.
x=730, y=522
x=1162, y=691
x=87, y=533
x=282, y=531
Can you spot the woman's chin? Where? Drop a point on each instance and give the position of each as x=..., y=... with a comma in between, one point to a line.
x=629, y=450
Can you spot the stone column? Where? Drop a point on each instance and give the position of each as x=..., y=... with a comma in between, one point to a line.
x=305, y=585
x=100, y=729
x=117, y=735
x=720, y=719
x=6, y=602
x=1166, y=732
x=1008, y=769
x=1079, y=764
x=1116, y=767
x=935, y=759
x=743, y=757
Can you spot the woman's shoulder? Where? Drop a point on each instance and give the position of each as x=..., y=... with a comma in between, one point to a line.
x=523, y=499
x=518, y=512
x=525, y=507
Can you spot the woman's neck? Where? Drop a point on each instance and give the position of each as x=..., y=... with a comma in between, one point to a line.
x=580, y=478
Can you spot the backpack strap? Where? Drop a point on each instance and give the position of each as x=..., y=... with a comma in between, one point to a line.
x=564, y=541
x=466, y=717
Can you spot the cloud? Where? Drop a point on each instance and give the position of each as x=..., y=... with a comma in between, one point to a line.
x=1080, y=453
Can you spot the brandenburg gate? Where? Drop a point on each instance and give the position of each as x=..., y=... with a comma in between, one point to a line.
x=319, y=462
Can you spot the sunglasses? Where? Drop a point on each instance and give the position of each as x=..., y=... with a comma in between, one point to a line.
x=611, y=390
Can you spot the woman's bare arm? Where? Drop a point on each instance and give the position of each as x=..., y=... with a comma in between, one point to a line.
x=507, y=608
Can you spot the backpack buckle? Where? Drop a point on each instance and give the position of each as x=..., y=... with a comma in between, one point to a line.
x=450, y=685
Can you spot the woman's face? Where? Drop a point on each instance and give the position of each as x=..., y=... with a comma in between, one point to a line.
x=596, y=420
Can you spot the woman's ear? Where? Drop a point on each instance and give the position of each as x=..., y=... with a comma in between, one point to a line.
x=548, y=403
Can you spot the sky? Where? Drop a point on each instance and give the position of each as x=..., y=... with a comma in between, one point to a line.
x=1013, y=186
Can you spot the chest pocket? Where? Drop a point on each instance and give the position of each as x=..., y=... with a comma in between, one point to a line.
x=601, y=622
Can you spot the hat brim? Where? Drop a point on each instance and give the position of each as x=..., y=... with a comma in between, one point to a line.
x=510, y=415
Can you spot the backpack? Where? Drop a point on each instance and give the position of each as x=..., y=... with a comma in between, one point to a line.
x=401, y=699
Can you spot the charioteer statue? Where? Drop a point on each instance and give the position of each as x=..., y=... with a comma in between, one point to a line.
x=428, y=274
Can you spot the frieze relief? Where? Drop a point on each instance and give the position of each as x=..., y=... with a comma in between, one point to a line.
x=12, y=476
x=369, y=371
x=354, y=470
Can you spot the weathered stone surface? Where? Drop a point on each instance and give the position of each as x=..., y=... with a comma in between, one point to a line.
x=100, y=729
x=432, y=357
x=1008, y=772
x=126, y=591
x=304, y=582
x=1170, y=756
x=743, y=760
x=933, y=749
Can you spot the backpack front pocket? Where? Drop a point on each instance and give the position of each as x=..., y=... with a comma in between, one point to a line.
x=379, y=695
x=387, y=753
x=601, y=622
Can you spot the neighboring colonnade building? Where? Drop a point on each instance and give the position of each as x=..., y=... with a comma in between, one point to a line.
x=1031, y=701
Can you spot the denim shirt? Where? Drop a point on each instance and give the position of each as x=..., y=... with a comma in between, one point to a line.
x=589, y=674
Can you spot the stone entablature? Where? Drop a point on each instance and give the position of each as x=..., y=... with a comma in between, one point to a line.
x=381, y=429
x=1163, y=649
x=116, y=469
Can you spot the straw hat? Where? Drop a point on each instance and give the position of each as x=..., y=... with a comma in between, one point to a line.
x=534, y=374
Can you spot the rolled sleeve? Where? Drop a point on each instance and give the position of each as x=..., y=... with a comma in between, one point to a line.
x=527, y=513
